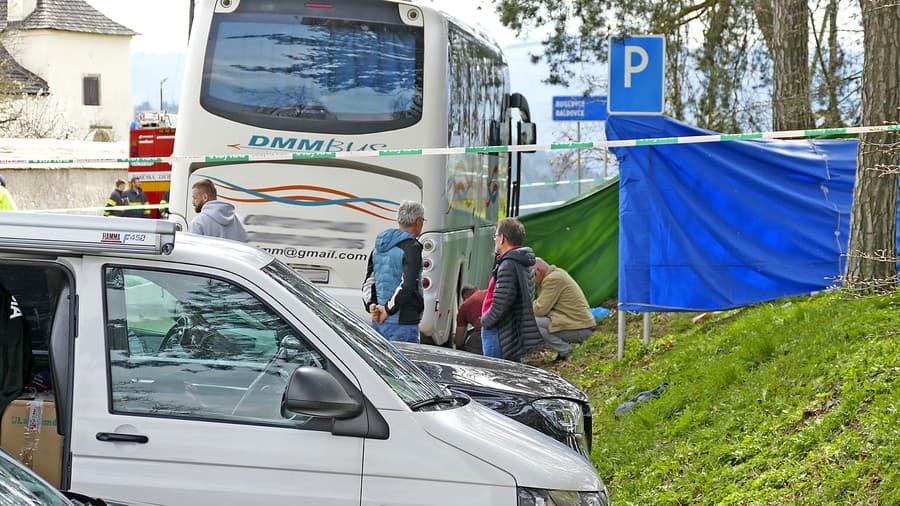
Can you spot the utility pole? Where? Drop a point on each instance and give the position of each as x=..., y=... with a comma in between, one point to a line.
x=164, y=79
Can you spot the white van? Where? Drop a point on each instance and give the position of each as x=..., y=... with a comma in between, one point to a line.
x=203, y=371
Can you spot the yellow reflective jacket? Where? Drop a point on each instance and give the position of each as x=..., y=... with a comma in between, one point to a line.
x=6, y=200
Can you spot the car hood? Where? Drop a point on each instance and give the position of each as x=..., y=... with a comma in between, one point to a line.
x=451, y=367
x=532, y=458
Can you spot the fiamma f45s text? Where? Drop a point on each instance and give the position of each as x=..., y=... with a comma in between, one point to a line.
x=84, y=234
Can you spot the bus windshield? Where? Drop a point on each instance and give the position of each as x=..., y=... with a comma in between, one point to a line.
x=290, y=72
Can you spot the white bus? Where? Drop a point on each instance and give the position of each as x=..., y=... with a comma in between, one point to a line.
x=267, y=76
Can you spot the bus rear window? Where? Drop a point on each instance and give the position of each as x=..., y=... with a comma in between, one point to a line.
x=290, y=72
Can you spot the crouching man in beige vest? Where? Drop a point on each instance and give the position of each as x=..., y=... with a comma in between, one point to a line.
x=561, y=310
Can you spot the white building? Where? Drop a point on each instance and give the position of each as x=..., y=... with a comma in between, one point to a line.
x=76, y=54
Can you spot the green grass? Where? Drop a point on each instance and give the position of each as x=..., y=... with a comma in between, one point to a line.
x=781, y=403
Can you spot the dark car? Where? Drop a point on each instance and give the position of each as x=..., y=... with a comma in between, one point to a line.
x=535, y=397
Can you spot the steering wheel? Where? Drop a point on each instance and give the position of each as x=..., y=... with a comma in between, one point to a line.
x=177, y=333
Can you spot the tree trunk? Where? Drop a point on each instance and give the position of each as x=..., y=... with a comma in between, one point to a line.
x=833, y=116
x=763, y=11
x=711, y=67
x=872, y=252
x=791, y=109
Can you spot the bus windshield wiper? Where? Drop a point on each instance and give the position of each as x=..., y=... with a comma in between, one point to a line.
x=456, y=400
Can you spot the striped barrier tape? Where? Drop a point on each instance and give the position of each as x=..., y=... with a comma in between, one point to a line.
x=316, y=155
x=563, y=182
x=104, y=208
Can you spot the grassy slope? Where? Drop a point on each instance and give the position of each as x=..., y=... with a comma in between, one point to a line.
x=776, y=404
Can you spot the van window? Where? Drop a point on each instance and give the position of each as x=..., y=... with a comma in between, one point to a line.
x=192, y=346
x=404, y=378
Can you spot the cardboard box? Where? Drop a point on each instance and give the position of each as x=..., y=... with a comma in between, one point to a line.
x=28, y=433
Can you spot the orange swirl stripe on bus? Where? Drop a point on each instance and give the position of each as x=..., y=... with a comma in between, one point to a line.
x=306, y=198
x=308, y=187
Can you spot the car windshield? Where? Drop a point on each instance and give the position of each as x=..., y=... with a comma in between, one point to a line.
x=20, y=487
x=410, y=383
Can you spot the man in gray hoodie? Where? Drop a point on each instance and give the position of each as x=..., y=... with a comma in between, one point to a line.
x=214, y=217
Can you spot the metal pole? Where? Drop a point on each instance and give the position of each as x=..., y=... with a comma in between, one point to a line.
x=605, y=163
x=161, y=93
x=578, y=126
x=646, y=328
x=620, y=351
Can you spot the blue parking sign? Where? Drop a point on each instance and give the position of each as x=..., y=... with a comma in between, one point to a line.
x=637, y=74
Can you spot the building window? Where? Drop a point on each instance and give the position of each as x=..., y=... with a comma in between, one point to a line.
x=91, y=86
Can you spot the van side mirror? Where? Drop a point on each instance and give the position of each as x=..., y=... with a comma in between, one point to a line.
x=315, y=392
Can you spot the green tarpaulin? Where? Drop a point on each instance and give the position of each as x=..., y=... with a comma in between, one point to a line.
x=582, y=237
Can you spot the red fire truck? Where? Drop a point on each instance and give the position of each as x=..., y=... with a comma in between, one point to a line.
x=152, y=134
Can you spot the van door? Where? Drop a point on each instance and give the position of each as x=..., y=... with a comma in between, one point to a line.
x=179, y=382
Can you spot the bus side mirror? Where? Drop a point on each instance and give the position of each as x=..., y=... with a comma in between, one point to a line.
x=494, y=136
x=527, y=134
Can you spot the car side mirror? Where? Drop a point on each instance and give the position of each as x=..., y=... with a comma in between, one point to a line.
x=291, y=343
x=290, y=347
x=315, y=392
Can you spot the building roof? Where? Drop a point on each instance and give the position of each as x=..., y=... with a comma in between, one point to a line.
x=71, y=16
x=12, y=71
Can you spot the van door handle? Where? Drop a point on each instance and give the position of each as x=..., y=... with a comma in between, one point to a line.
x=115, y=437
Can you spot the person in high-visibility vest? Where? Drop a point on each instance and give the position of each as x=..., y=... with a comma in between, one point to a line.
x=116, y=199
x=164, y=211
x=136, y=197
x=6, y=201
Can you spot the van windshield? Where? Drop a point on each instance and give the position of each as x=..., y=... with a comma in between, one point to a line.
x=301, y=73
x=410, y=383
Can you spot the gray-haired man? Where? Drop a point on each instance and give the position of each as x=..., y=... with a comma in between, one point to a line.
x=392, y=291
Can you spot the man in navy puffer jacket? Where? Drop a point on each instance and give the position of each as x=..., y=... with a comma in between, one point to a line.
x=392, y=291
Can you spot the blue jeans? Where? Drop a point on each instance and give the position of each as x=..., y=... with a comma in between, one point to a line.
x=490, y=343
x=397, y=332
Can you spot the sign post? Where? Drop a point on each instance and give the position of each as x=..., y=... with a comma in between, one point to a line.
x=637, y=80
x=579, y=109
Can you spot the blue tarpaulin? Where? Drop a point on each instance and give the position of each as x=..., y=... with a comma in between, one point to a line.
x=720, y=225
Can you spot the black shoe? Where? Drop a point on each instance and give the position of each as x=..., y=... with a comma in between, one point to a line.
x=561, y=358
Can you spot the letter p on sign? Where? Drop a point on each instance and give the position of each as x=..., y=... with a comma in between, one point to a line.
x=637, y=74
x=630, y=69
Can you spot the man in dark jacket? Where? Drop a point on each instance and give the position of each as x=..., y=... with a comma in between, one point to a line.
x=117, y=199
x=392, y=291
x=137, y=197
x=15, y=349
x=508, y=302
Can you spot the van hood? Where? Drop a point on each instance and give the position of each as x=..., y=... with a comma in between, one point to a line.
x=534, y=459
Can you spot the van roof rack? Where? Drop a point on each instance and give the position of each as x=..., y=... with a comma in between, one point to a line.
x=22, y=231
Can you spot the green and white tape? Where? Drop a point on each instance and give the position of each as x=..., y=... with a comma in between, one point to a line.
x=103, y=208
x=316, y=155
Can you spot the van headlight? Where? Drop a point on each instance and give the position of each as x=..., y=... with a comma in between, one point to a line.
x=543, y=497
x=564, y=414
